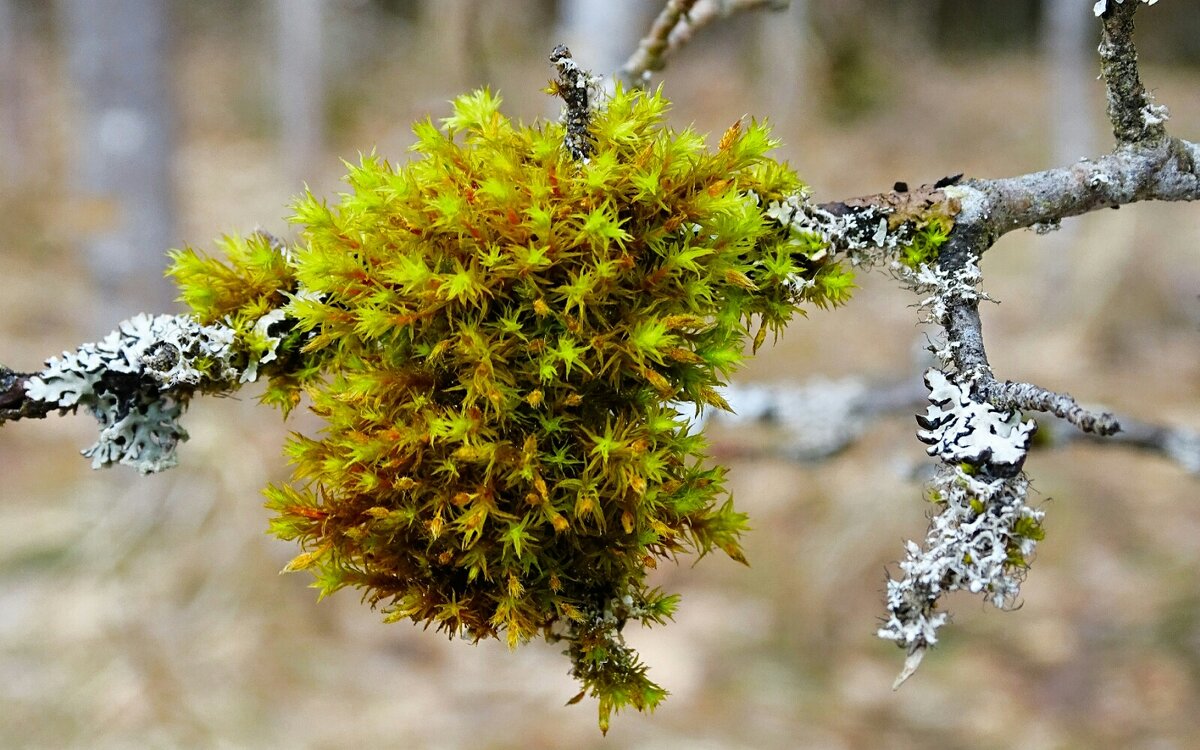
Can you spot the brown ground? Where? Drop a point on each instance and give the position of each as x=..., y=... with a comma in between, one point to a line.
x=147, y=612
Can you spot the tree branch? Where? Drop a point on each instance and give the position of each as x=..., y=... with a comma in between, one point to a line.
x=1134, y=117
x=137, y=381
x=574, y=86
x=1165, y=169
x=964, y=336
x=820, y=418
x=674, y=27
x=15, y=403
x=652, y=50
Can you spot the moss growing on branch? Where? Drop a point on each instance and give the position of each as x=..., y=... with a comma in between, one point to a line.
x=508, y=340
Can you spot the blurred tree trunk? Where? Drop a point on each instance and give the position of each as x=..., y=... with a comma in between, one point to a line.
x=13, y=142
x=602, y=33
x=121, y=170
x=1066, y=31
x=456, y=42
x=785, y=50
x=300, y=86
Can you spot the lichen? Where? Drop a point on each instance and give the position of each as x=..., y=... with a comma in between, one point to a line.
x=984, y=533
x=247, y=292
x=136, y=381
x=959, y=429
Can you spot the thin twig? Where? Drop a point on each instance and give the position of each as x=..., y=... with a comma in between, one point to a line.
x=964, y=335
x=652, y=49
x=15, y=403
x=674, y=27
x=1165, y=169
x=1030, y=397
x=574, y=85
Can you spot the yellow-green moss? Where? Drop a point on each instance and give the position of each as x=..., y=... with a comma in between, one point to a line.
x=509, y=342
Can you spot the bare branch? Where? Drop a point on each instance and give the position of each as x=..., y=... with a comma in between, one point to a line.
x=652, y=49
x=1134, y=117
x=1167, y=169
x=673, y=28
x=818, y=419
x=15, y=403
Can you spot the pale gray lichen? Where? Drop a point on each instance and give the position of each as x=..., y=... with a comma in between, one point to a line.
x=938, y=287
x=143, y=433
x=136, y=382
x=984, y=533
x=1154, y=114
x=978, y=542
x=262, y=346
x=861, y=234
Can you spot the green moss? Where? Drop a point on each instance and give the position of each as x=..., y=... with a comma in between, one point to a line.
x=931, y=233
x=506, y=342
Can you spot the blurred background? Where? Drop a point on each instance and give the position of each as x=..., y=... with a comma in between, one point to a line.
x=146, y=612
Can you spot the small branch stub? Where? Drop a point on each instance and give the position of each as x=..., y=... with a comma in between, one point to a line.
x=1134, y=117
x=576, y=87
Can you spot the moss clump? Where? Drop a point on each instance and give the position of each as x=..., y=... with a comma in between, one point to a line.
x=248, y=292
x=510, y=342
x=930, y=234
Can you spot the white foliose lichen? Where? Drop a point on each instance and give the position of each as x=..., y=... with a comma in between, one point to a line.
x=984, y=532
x=959, y=429
x=939, y=288
x=1102, y=5
x=1153, y=115
x=264, y=346
x=980, y=541
x=137, y=380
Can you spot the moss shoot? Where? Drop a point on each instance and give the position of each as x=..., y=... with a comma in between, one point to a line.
x=505, y=343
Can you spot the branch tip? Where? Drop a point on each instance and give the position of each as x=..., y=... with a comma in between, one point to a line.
x=911, y=662
x=673, y=28
x=576, y=87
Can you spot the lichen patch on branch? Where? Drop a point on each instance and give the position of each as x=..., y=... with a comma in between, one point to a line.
x=984, y=533
x=959, y=429
x=136, y=381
